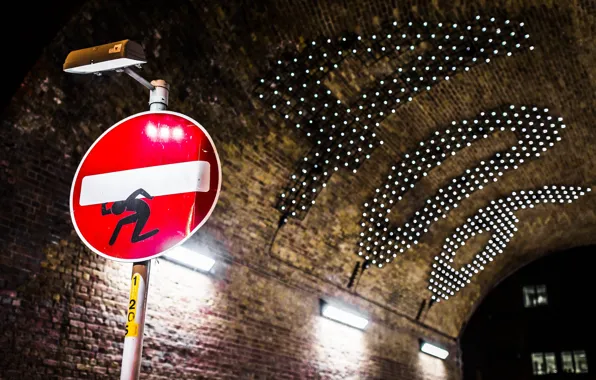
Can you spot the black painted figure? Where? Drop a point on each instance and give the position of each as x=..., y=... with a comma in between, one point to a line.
x=141, y=215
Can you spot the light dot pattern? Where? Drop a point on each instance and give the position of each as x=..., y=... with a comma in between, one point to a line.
x=499, y=220
x=536, y=131
x=343, y=136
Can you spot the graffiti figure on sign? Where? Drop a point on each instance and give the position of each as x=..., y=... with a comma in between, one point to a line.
x=141, y=215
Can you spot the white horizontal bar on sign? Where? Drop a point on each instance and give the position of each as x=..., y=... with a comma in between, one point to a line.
x=159, y=180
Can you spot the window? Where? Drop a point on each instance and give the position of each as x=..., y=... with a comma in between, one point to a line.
x=529, y=296
x=551, y=362
x=581, y=362
x=574, y=362
x=535, y=295
x=567, y=360
x=538, y=363
x=541, y=296
x=544, y=363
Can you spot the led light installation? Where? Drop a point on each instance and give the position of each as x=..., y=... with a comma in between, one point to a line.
x=497, y=219
x=536, y=130
x=420, y=55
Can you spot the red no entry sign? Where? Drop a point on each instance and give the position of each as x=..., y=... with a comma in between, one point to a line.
x=146, y=185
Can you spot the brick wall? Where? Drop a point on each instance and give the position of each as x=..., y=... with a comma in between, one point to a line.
x=239, y=322
x=62, y=308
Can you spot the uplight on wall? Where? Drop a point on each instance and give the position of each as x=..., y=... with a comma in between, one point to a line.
x=343, y=316
x=190, y=259
x=433, y=350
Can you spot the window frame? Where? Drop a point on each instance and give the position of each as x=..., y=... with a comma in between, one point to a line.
x=544, y=366
x=574, y=363
x=531, y=295
x=532, y=357
x=553, y=356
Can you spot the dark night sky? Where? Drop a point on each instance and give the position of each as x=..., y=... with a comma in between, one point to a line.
x=27, y=28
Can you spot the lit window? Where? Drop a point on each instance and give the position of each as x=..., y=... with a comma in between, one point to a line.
x=529, y=296
x=581, y=362
x=567, y=360
x=538, y=363
x=535, y=295
x=544, y=363
x=574, y=362
x=541, y=295
x=551, y=362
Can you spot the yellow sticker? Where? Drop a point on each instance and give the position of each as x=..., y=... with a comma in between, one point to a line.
x=132, y=328
x=134, y=285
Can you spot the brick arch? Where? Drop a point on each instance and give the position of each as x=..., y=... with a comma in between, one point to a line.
x=213, y=54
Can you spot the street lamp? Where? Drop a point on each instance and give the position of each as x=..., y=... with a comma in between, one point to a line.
x=108, y=57
x=121, y=56
x=118, y=56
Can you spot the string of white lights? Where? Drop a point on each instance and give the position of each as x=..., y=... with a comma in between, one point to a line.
x=343, y=136
x=536, y=130
x=497, y=219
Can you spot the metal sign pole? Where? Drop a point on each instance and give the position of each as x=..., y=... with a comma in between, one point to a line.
x=135, y=321
x=139, y=283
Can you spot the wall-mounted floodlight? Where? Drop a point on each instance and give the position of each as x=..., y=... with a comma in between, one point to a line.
x=113, y=56
x=433, y=350
x=190, y=259
x=343, y=316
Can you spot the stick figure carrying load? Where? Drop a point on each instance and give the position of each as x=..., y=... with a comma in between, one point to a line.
x=141, y=215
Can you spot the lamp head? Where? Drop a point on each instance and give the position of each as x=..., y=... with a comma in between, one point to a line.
x=109, y=57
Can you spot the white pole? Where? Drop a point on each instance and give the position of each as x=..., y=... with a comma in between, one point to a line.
x=139, y=283
x=135, y=321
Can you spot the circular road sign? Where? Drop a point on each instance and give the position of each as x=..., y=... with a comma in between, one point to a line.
x=145, y=186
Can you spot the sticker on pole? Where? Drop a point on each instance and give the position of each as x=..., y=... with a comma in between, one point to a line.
x=146, y=185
